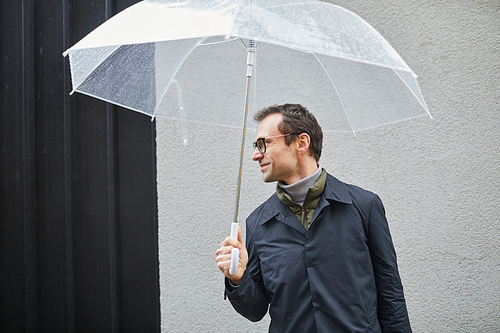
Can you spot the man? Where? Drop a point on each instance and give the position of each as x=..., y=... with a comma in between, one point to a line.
x=318, y=252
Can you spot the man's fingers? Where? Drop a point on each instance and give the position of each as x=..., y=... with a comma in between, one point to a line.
x=224, y=250
x=229, y=241
x=223, y=257
x=223, y=265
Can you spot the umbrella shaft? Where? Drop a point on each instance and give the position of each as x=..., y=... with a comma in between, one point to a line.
x=238, y=188
x=250, y=62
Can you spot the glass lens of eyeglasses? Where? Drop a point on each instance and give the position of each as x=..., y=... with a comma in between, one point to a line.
x=260, y=145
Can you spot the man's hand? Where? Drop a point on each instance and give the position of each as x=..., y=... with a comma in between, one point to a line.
x=224, y=257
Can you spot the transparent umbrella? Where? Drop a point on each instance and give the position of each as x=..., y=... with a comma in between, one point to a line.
x=151, y=57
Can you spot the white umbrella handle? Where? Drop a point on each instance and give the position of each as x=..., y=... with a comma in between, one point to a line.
x=235, y=252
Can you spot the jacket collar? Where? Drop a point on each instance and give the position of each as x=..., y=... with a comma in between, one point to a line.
x=335, y=190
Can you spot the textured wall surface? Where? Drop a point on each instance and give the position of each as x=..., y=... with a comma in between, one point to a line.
x=439, y=179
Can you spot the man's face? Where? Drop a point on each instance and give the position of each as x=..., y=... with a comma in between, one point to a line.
x=279, y=162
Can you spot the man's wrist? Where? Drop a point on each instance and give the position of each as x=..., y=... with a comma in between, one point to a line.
x=235, y=283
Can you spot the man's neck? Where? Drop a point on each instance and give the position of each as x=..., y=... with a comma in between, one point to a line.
x=305, y=170
x=298, y=190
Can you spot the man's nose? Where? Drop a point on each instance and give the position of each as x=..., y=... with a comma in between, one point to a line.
x=257, y=155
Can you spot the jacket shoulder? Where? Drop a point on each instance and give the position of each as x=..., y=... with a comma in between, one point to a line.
x=344, y=191
x=360, y=195
x=362, y=199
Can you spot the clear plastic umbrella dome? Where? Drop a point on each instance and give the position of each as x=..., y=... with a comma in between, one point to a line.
x=186, y=60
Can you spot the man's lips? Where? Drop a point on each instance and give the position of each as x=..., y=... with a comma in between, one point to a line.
x=263, y=166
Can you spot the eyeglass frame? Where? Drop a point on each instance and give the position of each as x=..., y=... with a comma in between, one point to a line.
x=263, y=139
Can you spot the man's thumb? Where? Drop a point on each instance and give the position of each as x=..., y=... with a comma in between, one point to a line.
x=240, y=236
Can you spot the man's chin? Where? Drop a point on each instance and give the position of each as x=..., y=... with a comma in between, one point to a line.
x=265, y=178
x=268, y=178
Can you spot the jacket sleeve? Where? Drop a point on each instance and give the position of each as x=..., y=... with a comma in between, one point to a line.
x=392, y=313
x=249, y=299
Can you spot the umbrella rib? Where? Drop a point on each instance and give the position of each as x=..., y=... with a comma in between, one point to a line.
x=261, y=47
x=175, y=73
x=406, y=84
x=116, y=103
x=336, y=91
x=241, y=43
x=219, y=42
x=257, y=45
x=182, y=112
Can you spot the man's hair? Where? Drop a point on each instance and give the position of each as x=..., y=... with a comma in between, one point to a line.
x=296, y=119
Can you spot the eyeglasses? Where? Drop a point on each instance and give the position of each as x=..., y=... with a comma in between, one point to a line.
x=260, y=144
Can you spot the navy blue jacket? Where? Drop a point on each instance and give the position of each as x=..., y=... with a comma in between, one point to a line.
x=340, y=275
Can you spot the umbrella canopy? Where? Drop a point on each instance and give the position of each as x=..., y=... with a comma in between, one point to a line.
x=355, y=81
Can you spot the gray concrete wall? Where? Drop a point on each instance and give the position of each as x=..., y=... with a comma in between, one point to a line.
x=438, y=179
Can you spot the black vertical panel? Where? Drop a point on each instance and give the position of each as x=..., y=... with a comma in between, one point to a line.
x=97, y=217
x=18, y=278
x=54, y=125
x=97, y=210
x=78, y=219
x=138, y=216
x=139, y=226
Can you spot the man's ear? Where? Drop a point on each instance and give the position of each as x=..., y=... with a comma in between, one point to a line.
x=303, y=142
